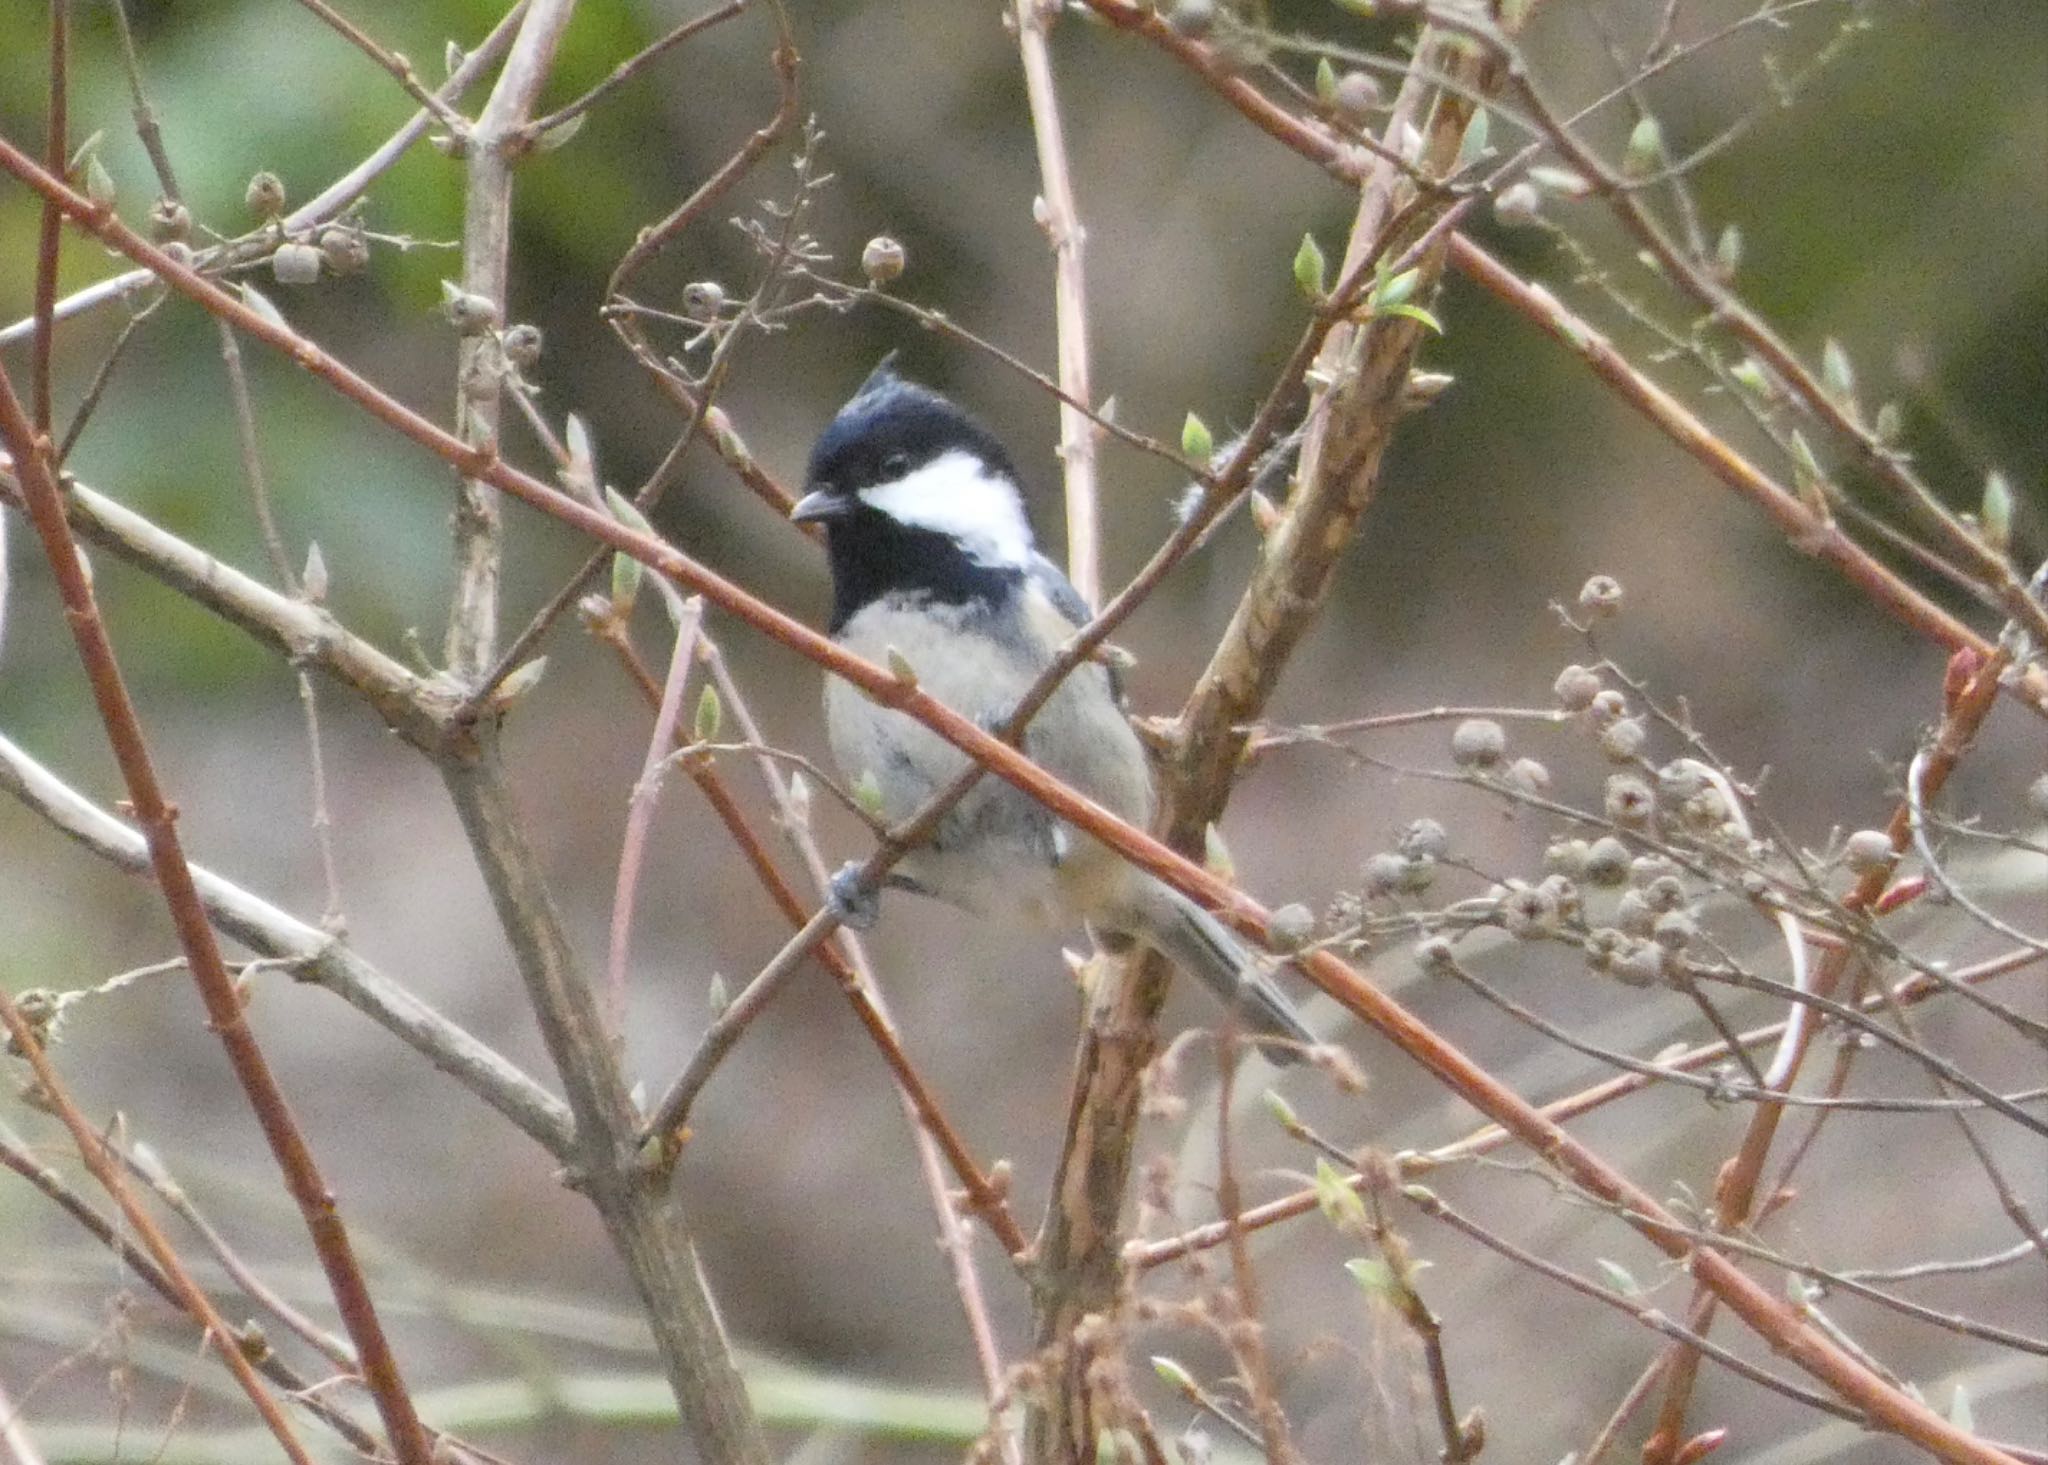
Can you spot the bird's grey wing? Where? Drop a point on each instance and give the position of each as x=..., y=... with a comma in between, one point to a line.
x=1065, y=599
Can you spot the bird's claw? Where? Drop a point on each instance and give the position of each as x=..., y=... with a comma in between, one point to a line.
x=856, y=903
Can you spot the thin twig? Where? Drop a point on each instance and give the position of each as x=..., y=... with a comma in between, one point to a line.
x=49, y=233
x=633, y=65
x=174, y=877
x=1762, y=1310
x=938, y=1143
x=1144, y=1255
x=325, y=205
x=396, y=65
x=640, y=806
x=1433, y=1205
x=312, y=955
x=149, y=1168
x=16, y=1155
x=1060, y=216
x=223, y=1339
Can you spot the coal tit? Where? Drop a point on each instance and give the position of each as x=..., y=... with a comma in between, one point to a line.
x=933, y=561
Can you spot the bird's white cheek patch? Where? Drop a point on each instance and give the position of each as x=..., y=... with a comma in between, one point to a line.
x=954, y=495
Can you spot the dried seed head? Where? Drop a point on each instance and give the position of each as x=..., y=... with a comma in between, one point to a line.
x=1434, y=953
x=1418, y=874
x=1622, y=741
x=1604, y=945
x=1527, y=911
x=882, y=260
x=522, y=345
x=1629, y=800
x=295, y=264
x=1357, y=94
x=1868, y=851
x=1575, y=688
x=1681, y=778
x=1292, y=927
x=471, y=315
x=1478, y=742
x=1564, y=894
x=1665, y=893
x=1600, y=596
x=1642, y=965
x=1674, y=930
x=1566, y=857
x=1424, y=839
x=1529, y=776
x=1384, y=873
x=1608, y=706
x=265, y=195
x=1634, y=914
x=1607, y=862
x=1519, y=203
x=703, y=300
x=168, y=220
x=346, y=250
x=1645, y=870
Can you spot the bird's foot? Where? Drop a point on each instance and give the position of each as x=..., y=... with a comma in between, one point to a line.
x=856, y=903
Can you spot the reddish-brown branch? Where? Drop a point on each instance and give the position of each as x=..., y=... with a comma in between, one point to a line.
x=1771, y=1317
x=1735, y=1188
x=982, y=1198
x=158, y=821
x=1808, y=532
x=50, y=235
x=1144, y=1255
x=1727, y=309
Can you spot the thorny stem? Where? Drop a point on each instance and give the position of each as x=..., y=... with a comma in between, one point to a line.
x=1355, y=389
x=1247, y=1342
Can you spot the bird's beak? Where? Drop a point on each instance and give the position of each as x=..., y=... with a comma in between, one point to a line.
x=816, y=507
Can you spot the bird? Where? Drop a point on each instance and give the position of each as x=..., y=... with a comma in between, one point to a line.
x=934, y=566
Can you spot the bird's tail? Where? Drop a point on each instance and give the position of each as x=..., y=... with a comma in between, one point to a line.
x=1198, y=944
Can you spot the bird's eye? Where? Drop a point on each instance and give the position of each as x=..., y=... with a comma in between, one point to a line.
x=895, y=465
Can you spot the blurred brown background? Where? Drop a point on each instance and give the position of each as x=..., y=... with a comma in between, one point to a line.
x=1900, y=205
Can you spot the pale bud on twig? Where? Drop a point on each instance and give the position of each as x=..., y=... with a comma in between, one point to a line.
x=264, y=195
x=883, y=260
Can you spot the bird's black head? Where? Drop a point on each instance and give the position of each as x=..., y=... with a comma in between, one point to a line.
x=915, y=496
